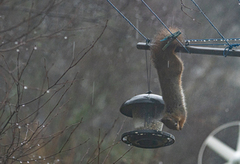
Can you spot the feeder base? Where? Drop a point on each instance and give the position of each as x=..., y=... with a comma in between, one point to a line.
x=148, y=138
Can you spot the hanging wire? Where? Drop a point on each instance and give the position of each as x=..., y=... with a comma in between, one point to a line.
x=162, y=23
x=148, y=69
x=147, y=40
x=210, y=21
x=230, y=46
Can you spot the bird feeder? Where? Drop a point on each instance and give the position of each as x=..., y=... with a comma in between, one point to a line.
x=147, y=111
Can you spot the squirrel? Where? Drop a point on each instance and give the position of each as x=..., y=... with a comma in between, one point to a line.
x=170, y=68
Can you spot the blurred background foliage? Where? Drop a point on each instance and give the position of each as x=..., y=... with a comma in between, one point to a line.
x=114, y=70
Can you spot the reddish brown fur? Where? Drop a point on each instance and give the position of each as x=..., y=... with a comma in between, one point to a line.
x=169, y=68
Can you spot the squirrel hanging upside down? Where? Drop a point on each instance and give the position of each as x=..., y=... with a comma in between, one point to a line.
x=169, y=68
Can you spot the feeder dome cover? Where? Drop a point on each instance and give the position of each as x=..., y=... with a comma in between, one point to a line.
x=139, y=100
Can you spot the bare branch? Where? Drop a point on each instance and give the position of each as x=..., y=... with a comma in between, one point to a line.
x=123, y=155
x=183, y=6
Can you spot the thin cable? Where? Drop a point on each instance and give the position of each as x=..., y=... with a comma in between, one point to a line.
x=230, y=46
x=212, y=39
x=148, y=69
x=156, y=16
x=210, y=22
x=163, y=23
x=206, y=44
x=226, y=50
x=147, y=40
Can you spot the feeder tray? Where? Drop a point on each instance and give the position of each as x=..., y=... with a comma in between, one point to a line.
x=148, y=138
x=147, y=111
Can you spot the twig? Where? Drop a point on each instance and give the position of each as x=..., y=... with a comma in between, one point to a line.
x=71, y=66
x=111, y=147
x=186, y=7
x=70, y=136
x=84, y=155
x=123, y=155
x=98, y=147
x=100, y=143
x=74, y=64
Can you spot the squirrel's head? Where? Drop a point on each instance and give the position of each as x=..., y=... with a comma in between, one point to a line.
x=171, y=123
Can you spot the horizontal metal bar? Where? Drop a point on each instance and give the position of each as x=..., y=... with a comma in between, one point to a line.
x=143, y=46
x=197, y=50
